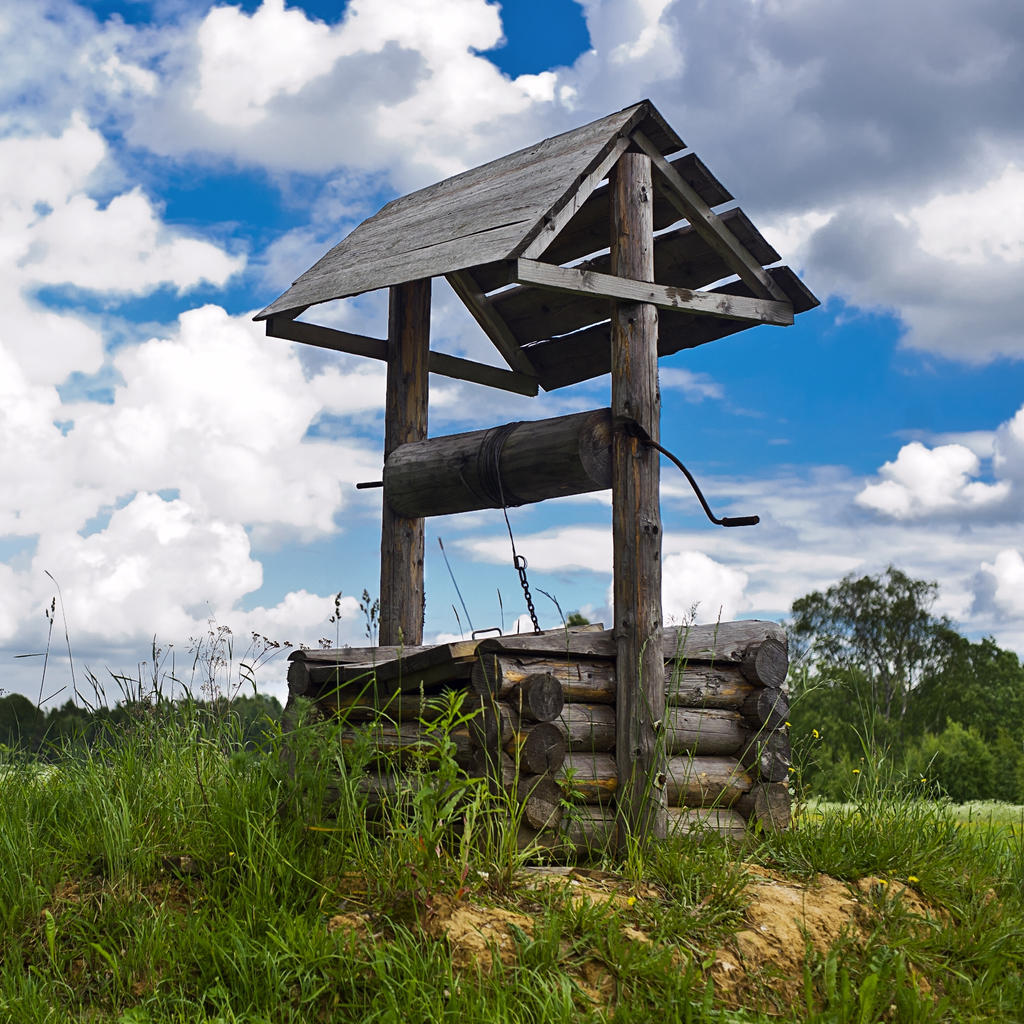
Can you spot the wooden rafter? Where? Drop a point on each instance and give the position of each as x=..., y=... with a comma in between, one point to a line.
x=553, y=223
x=465, y=286
x=708, y=225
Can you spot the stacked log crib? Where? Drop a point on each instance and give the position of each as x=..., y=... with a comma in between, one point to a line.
x=543, y=731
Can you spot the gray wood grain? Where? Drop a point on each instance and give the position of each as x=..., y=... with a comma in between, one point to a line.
x=636, y=512
x=585, y=354
x=475, y=217
x=681, y=258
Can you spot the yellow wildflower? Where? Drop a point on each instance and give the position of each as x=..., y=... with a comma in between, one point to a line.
x=816, y=734
x=913, y=879
x=856, y=771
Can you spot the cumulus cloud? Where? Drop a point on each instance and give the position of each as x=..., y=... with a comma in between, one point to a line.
x=1000, y=585
x=55, y=233
x=382, y=86
x=696, y=588
x=922, y=481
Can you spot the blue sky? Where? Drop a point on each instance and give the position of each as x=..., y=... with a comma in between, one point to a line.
x=168, y=167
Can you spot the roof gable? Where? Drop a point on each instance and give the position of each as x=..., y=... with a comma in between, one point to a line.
x=483, y=215
x=539, y=221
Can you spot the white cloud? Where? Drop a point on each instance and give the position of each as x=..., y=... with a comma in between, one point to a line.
x=245, y=61
x=121, y=248
x=156, y=567
x=53, y=232
x=693, y=582
x=922, y=481
x=219, y=413
x=386, y=85
x=1008, y=455
x=1005, y=583
x=974, y=227
x=694, y=386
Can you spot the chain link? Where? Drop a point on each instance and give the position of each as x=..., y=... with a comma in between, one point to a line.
x=520, y=563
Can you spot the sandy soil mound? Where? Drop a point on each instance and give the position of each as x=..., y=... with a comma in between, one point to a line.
x=760, y=966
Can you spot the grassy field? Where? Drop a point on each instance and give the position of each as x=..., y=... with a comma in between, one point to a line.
x=170, y=876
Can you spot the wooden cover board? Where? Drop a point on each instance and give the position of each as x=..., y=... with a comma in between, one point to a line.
x=488, y=213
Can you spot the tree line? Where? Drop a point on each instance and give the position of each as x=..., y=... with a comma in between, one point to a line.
x=57, y=732
x=881, y=683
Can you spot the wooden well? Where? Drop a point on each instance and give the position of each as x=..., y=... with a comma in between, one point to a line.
x=595, y=251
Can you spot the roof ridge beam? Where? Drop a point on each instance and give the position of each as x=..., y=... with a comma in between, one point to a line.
x=708, y=225
x=683, y=300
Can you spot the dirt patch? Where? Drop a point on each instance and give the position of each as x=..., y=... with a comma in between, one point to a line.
x=582, y=885
x=476, y=934
x=761, y=966
x=763, y=963
x=782, y=919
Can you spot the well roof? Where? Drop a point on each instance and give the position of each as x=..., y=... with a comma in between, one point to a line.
x=487, y=228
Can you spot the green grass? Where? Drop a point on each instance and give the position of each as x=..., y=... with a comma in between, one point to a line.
x=167, y=875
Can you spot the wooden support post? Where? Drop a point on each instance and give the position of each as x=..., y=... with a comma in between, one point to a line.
x=636, y=514
x=405, y=420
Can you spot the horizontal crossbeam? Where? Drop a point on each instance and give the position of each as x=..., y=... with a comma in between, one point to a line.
x=374, y=348
x=683, y=300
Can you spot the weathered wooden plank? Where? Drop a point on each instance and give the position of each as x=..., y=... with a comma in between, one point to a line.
x=405, y=421
x=688, y=683
x=587, y=232
x=688, y=781
x=474, y=217
x=767, y=804
x=535, y=748
x=703, y=733
x=457, y=368
x=696, y=821
x=357, y=655
x=373, y=348
x=636, y=511
x=700, y=215
x=535, y=460
x=368, y=270
x=697, y=303
x=464, y=285
x=588, y=727
x=713, y=641
x=395, y=706
x=593, y=828
x=768, y=756
x=767, y=663
x=408, y=742
x=553, y=224
x=766, y=708
x=584, y=355
x=681, y=258
x=566, y=653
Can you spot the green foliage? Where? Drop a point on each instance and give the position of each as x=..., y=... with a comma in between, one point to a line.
x=880, y=626
x=958, y=762
x=977, y=684
x=878, y=676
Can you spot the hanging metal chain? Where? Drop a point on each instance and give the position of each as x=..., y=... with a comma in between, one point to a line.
x=517, y=560
x=520, y=563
